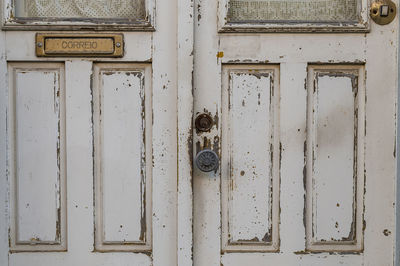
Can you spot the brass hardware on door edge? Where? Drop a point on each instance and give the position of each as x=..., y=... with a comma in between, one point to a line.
x=204, y=122
x=383, y=11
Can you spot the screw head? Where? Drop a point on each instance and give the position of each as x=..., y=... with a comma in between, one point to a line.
x=118, y=44
x=39, y=44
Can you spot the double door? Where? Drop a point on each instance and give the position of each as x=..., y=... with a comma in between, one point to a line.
x=227, y=133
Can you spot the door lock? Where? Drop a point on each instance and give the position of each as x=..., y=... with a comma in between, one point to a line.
x=203, y=122
x=207, y=160
x=383, y=11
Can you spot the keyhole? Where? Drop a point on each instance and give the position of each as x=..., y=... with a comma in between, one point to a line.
x=204, y=122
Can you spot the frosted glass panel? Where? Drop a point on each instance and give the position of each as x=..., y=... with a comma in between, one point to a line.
x=124, y=9
x=293, y=10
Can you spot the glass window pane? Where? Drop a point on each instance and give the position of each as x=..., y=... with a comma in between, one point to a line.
x=293, y=11
x=122, y=9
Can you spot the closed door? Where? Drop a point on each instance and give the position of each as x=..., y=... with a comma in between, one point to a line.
x=197, y=132
x=88, y=149
x=299, y=103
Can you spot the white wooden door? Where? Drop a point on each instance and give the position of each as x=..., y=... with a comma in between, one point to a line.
x=88, y=144
x=95, y=159
x=302, y=97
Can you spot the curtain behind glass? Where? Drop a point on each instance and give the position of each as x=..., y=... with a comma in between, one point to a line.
x=293, y=10
x=126, y=9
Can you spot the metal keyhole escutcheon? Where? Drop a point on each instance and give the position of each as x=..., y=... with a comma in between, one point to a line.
x=207, y=160
x=204, y=122
x=383, y=11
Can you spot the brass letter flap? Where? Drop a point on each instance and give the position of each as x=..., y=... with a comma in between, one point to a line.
x=99, y=45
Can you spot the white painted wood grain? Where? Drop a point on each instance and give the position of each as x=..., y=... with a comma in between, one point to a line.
x=81, y=178
x=122, y=155
x=293, y=106
x=375, y=221
x=66, y=259
x=137, y=47
x=207, y=99
x=122, y=178
x=37, y=144
x=250, y=129
x=261, y=259
x=293, y=53
x=292, y=48
x=4, y=175
x=38, y=181
x=250, y=143
x=79, y=135
x=381, y=153
x=160, y=47
x=335, y=158
x=185, y=137
x=333, y=181
x=164, y=138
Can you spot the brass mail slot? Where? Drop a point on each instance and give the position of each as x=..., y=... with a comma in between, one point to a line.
x=98, y=45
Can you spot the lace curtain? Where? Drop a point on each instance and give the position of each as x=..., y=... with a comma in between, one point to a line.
x=293, y=10
x=127, y=9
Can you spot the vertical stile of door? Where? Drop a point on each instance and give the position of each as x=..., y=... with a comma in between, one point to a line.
x=397, y=245
x=3, y=152
x=185, y=137
x=380, y=153
x=79, y=157
x=164, y=56
x=293, y=105
x=207, y=84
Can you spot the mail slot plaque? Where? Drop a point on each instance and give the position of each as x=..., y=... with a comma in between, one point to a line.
x=85, y=45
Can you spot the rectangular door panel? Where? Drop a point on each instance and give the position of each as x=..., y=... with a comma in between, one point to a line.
x=122, y=113
x=250, y=152
x=335, y=152
x=38, y=171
